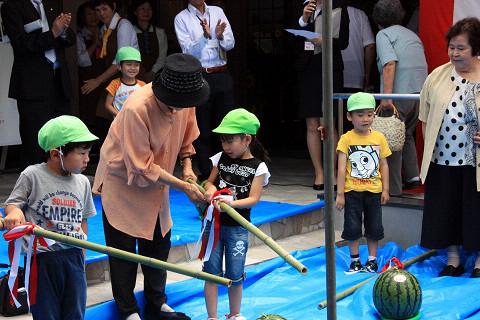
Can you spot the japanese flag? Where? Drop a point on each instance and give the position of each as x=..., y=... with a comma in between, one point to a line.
x=436, y=17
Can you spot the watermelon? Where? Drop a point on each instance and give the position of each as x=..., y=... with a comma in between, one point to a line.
x=397, y=294
x=270, y=317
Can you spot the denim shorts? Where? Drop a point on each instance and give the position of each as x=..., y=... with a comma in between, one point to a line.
x=367, y=203
x=234, y=242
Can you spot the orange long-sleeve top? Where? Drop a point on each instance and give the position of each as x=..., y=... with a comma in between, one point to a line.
x=145, y=138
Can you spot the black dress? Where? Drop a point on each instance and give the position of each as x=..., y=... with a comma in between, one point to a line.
x=308, y=66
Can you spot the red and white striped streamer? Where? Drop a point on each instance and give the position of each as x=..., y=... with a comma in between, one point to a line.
x=14, y=249
x=212, y=215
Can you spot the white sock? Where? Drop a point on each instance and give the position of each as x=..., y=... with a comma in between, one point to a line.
x=133, y=316
x=166, y=308
x=453, y=254
x=355, y=259
x=372, y=258
x=477, y=262
x=414, y=179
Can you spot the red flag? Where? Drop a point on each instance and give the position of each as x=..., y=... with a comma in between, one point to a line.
x=436, y=17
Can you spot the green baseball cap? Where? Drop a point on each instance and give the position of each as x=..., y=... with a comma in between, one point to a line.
x=360, y=100
x=128, y=54
x=59, y=131
x=238, y=121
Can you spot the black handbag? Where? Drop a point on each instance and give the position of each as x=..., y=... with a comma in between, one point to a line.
x=7, y=306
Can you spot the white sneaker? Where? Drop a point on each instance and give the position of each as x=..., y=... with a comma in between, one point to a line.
x=133, y=316
x=166, y=308
x=236, y=317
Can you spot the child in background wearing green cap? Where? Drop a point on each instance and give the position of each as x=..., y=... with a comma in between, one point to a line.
x=55, y=196
x=128, y=62
x=362, y=180
x=241, y=168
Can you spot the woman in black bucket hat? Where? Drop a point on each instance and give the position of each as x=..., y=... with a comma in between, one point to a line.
x=180, y=83
x=156, y=126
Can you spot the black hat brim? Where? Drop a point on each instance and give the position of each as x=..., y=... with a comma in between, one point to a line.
x=181, y=99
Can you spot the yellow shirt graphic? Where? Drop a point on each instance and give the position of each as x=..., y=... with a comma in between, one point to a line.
x=363, y=160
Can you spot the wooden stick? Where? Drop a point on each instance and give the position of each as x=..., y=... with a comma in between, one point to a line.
x=352, y=289
x=258, y=233
x=130, y=256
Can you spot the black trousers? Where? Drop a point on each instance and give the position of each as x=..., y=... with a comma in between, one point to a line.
x=123, y=273
x=34, y=114
x=210, y=114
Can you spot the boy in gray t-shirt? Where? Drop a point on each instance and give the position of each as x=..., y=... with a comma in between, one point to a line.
x=55, y=196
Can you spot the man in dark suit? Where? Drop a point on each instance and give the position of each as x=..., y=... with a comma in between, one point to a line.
x=38, y=31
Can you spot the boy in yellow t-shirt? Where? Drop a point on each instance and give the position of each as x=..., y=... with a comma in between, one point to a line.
x=362, y=180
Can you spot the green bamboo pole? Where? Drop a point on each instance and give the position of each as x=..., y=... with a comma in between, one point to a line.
x=258, y=233
x=131, y=256
x=352, y=289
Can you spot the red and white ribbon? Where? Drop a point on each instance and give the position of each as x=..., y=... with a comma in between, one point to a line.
x=14, y=249
x=392, y=263
x=212, y=215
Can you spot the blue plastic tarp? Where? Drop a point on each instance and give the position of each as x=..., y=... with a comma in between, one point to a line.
x=186, y=225
x=274, y=287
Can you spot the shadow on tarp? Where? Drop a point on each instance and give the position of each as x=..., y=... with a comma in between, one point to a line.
x=274, y=287
x=186, y=225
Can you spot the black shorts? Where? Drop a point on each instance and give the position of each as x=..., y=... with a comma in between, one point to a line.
x=366, y=204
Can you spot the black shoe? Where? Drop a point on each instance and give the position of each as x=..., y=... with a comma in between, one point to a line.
x=451, y=271
x=371, y=266
x=355, y=266
x=162, y=315
x=475, y=273
x=318, y=187
x=412, y=185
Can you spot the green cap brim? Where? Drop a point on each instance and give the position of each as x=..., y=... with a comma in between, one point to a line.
x=226, y=130
x=361, y=108
x=85, y=138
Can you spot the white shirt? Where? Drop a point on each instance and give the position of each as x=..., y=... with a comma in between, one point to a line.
x=122, y=94
x=126, y=35
x=190, y=34
x=361, y=35
x=83, y=56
